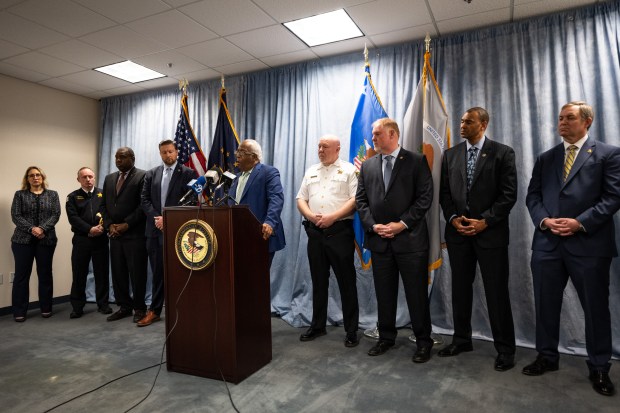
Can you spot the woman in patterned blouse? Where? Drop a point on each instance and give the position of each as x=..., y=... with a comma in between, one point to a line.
x=35, y=211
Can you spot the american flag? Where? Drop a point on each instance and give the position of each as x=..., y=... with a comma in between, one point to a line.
x=190, y=153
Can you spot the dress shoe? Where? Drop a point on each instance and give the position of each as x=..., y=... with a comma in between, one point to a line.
x=504, y=362
x=422, y=355
x=351, y=340
x=455, y=349
x=105, y=309
x=539, y=367
x=46, y=315
x=122, y=313
x=380, y=348
x=148, y=319
x=601, y=383
x=311, y=334
x=138, y=315
x=76, y=314
x=20, y=319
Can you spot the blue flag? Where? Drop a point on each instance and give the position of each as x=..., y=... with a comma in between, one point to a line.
x=225, y=140
x=369, y=109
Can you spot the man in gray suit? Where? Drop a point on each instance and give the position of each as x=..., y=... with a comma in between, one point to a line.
x=395, y=189
x=163, y=186
x=478, y=190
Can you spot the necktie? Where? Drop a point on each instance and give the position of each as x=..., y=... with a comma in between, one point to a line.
x=241, y=186
x=387, y=172
x=120, y=182
x=471, y=166
x=165, y=183
x=571, y=152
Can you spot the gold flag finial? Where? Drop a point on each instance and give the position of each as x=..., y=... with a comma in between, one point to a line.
x=222, y=80
x=427, y=42
x=365, y=54
x=183, y=84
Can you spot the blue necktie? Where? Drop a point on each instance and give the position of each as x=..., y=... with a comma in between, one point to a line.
x=387, y=172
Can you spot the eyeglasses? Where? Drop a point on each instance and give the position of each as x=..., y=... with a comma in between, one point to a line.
x=35, y=176
x=242, y=152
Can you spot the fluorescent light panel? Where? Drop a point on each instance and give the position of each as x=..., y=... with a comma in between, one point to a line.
x=325, y=28
x=130, y=72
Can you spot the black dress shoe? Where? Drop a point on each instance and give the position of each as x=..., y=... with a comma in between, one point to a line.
x=601, y=383
x=311, y=334
x=351, y=340
x=76, y=314
x=380, y=348
x=105, y=309
x=504, y=362
x=422, y=355
x=539, y=367
x=455, y=349
x=119, y=314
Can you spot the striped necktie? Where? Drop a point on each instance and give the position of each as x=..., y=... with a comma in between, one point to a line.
x=571, y=152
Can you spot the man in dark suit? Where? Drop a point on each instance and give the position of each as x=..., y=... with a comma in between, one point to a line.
x=90, y=242
x=258, y=186
x=124, y=220
x=395, y=189
x=478, y=190
x=572, y=197
x=164, y=186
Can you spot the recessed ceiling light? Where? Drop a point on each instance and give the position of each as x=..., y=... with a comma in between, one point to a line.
x=130, y=72
x=325, y=28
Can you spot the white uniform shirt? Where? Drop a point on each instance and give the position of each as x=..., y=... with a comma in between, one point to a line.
x=327, y=188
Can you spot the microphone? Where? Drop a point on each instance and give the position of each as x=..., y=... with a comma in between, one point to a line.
x=213, y=175
x=226, y=179
x=195, y=185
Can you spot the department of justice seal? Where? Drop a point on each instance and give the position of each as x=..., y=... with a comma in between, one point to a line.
x=196, y=245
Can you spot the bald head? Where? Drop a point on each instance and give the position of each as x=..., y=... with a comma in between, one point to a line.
x=329, y=149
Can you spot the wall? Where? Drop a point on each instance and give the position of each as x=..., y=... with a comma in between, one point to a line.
x=58, y=132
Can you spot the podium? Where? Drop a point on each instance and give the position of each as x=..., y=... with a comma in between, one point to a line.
x=222, y=316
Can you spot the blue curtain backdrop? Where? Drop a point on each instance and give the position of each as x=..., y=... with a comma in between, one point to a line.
x=521, y=72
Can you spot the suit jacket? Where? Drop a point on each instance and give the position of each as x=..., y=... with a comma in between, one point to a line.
x=409, y=195
x=151, y=193
x=126, y=206
x=591, y=195
x=264, y=195
x=492, y=195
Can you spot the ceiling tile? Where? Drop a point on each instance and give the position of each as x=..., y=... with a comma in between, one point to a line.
x=267, y=41
x=405, y=35
x=125, y=90
x=342, y=47
x=450, y=9
x=530, y=8
x=284, y=11
x=7, y=3
x=173, y=29
x=242, y=67
x=218, y=52
x=9, y=49
x=26, y=33
x=62, y=84
x=95, y=80
x=21, y=73
x=159, y=62
x=480, y=20
x=199, y=75
x=399, y=13
x=62, y=15
x=123, y=11
x=123, y=42
x=44, y=64
x=82, y=54
x=289, y=58
x=98, y=94
x=159, y=83
x=178, y=3
x=228, y=17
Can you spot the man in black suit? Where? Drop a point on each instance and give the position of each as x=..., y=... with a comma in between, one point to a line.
x=124, y=220
x=572, y=198
x=164, y=185
x=395, y=189
x=478, y=190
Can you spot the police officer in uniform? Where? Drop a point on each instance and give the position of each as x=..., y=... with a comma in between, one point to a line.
x=89, y=242
x=326, y=199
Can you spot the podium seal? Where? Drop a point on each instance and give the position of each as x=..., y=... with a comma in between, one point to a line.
x=196, y=245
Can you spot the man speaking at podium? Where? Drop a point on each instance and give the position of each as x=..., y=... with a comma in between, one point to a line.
x=163, y=187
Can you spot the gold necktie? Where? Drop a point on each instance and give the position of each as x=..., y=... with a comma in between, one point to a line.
x=570, y=160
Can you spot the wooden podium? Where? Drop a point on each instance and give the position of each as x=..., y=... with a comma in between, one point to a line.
x=224, y=320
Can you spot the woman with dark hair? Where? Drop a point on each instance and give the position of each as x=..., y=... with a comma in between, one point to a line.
x=35, y=211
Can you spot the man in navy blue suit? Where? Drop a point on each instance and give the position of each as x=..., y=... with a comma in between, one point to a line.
x=572, y=197
x=163, y=186
x=258, y=186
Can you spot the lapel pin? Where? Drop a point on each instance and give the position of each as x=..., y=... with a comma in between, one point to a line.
x=589, y=150
x=484, y=154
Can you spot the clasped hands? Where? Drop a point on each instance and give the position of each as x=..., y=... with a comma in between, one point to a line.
x=389, y=230
x=563, y=227
x=469, y=226
x=116, y=230
x=38, y=232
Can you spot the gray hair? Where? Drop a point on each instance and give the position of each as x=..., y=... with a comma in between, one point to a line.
x=255, y=148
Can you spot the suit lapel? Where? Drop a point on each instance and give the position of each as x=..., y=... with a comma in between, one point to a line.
x=400, y=159
x=127, y=179
x=251, y=178
x=485, y=153
x=584, y=153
